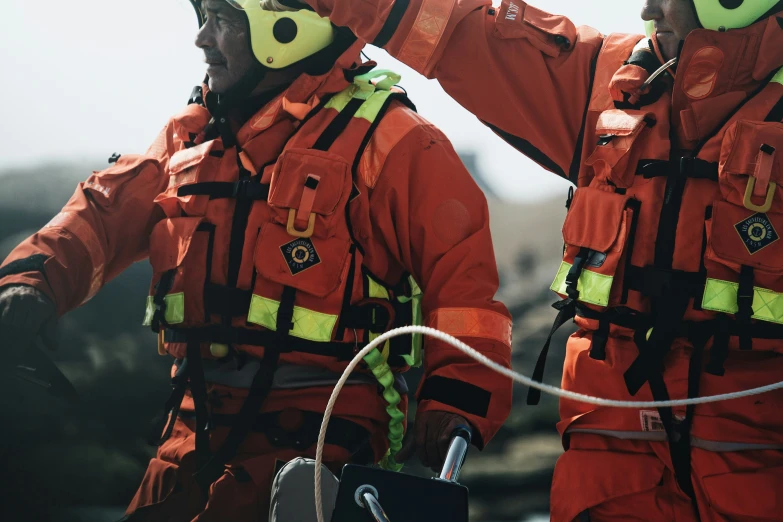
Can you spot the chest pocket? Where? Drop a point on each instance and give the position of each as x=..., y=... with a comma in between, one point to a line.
x=744, y=257
x=598, y=236
x=197, y=164
x=618, y=150
x=306, y=244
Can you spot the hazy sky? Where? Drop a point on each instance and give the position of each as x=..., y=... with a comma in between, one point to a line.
x=85, y=78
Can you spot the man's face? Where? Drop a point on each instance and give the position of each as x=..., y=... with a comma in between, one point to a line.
x=673, y=19
x=225, y=41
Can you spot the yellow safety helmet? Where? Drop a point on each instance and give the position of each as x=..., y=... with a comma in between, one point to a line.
x=720, y=15
x=280, y=39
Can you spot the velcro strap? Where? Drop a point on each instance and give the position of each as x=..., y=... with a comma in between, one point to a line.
x=694, y=168
x=246, y=189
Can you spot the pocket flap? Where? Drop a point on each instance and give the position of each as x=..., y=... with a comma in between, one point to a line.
x=743, y=237
x=314, y=265
x=622, y=123
x=595, y=219
x=742, y=143
x=170, y=241
x=757, y=494
x=181, y=163
x=292, y=170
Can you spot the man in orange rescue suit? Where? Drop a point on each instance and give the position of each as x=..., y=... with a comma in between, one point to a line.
x=297, y=208
x=673, y=267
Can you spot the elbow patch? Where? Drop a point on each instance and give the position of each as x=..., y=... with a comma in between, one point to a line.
x=464, y=396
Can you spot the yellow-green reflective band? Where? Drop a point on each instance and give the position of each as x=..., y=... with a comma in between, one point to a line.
x=778, y=78
x=175, y=309
x=339, y=101
x=376, y=290
x=372, y=107
x=415, y=357
x=382, y=372
x=721, y=296
x=308, y=324
x=593, y=288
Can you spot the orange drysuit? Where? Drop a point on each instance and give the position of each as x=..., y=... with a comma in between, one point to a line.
x=673, y=265
x=281, y=244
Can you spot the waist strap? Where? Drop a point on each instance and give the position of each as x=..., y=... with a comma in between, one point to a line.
x=232, y=373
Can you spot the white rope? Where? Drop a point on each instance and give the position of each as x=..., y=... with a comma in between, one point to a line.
x=546, y=388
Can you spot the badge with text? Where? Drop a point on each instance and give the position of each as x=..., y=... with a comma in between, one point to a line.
x=757, y=232
x=300, y=254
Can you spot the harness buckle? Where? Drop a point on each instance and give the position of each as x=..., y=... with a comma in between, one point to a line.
x=748, y=202
x=291, y=226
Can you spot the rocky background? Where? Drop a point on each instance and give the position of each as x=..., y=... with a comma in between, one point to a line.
x=84, y=462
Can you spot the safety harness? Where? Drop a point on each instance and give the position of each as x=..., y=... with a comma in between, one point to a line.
x=383, y=309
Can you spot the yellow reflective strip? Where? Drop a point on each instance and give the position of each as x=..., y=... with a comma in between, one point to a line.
x=308, y=324
x=370, y=109
x=778, y=78
x=341, y=99
x=376, y=290
x=593, y=288
x=721, y=296
x=382, y=372
x=175, y=309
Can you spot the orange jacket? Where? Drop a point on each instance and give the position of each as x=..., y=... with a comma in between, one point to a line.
x=673, y=233
x=409, y=208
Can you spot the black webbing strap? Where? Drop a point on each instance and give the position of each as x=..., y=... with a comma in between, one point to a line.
x=666, y=328
x=344, y=433
x=337, y=125
x=232, y=335
x=222, y=300
x=373, y=315
x=745, y=307
x=245, y=189
x=213, y=469
x=572, y=278
x=159, y=300
x=198, y=389
x=720, y=347
x=566, y=311
x=600, y=338
x=693, y=168
x=164, y=425
x=347, y=296
x=658, y=282
x=392, y=22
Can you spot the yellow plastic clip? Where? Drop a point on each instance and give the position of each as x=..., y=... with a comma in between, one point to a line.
x=291, y=227
x=749, y=195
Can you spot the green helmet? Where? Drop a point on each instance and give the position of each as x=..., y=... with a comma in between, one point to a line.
x=720, y=15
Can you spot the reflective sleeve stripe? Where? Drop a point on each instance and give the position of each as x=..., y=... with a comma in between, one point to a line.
x=696, y=442
x=396, y=124
x=308, y=324
x=721, y=296
x=84, y=232
x=425, y=35
x=593, y=288
x=472, y=322
x=175, y=309
x=381, y=370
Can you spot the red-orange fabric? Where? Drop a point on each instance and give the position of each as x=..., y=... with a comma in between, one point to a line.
x=538, y=69
x=392, y=219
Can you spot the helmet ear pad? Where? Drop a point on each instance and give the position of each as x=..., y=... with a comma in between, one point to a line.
x=281, y=39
